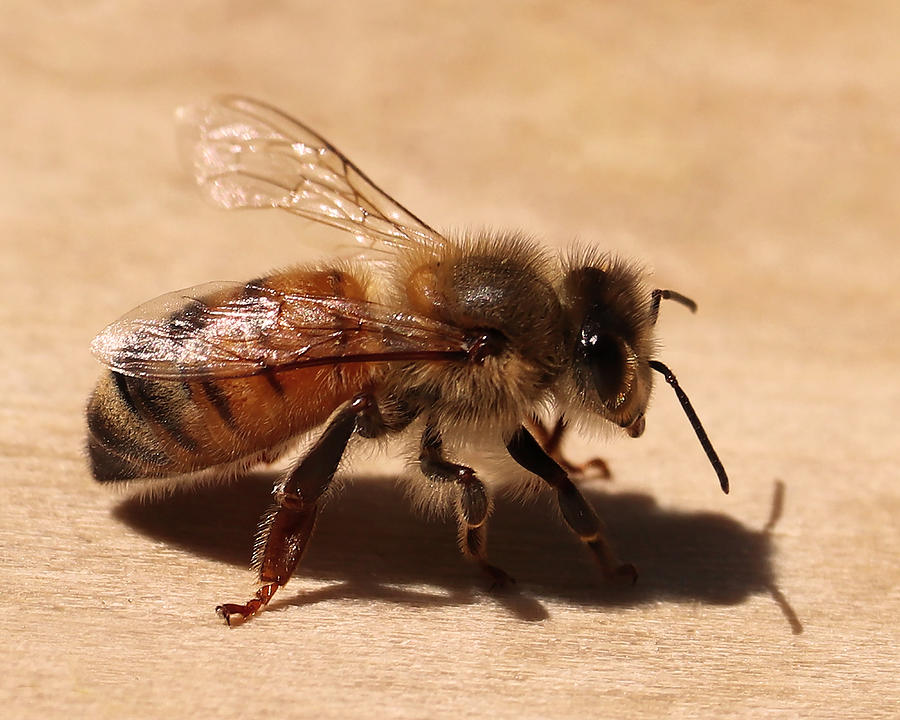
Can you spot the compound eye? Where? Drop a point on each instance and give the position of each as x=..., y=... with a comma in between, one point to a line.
x=611, y=363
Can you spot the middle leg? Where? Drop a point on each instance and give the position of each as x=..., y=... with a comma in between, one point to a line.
x=474, y=504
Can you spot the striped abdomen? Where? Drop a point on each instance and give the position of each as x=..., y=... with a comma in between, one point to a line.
x=148, y=428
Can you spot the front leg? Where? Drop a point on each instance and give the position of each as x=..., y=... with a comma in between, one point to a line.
x=285, y=530
x=579, y=515
x=474, y=503
x=551, y=438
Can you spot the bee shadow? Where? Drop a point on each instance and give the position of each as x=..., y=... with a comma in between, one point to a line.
x=373, y=545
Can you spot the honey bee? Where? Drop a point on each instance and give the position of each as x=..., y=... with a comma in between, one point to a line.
x=467, y=339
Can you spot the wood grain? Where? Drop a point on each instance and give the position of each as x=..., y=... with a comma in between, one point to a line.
x=747, y=152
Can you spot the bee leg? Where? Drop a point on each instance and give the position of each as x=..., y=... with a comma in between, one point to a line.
x=473, y=541
x=287, y=527
x=579, y=515
x=474, y=503
x=373, y=423
x=550, y=439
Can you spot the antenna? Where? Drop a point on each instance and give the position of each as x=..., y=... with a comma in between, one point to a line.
x=659, y=294
x=695, y=422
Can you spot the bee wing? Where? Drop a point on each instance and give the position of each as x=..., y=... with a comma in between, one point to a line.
x=228, y=330
x=246, y=154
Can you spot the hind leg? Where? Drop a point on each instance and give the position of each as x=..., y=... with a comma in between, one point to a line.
x=285, y=530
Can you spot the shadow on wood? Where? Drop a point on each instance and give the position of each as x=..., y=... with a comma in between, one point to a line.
x=373, y=545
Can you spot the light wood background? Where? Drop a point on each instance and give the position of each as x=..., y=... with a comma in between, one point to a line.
x=748, y=152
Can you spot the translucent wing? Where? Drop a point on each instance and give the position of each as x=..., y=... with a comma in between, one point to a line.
x=222, y=330
x=246, y=154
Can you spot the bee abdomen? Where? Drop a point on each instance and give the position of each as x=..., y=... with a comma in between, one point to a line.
x=151, y=428
x=134, y=430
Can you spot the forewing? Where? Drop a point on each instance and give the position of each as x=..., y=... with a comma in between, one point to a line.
x=222, y=330
x=246, y=154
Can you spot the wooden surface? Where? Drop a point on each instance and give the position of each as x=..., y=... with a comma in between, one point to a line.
x=748, y=152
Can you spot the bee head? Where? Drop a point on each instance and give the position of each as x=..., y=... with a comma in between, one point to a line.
x=611, y=341
x=611, y=319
